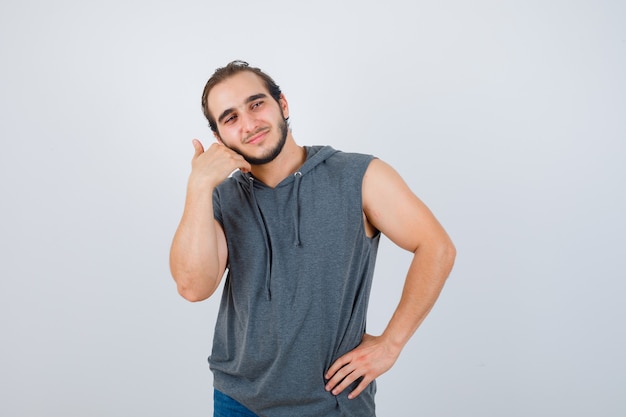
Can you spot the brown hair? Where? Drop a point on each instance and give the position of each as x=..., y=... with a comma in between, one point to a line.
x=221, y=74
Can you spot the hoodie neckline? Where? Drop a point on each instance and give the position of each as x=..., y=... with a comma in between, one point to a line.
x=315, y=155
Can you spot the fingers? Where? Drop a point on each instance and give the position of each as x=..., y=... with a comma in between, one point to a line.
x=342, y=374
x=199, y=149
x=339, y=363
x=368, y=361
x=359, y=389
x=245, y=166
x=211, y=166
x=344, y=378
x=238, y=161
x=341, y=379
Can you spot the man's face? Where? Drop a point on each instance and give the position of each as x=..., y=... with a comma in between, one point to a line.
x=249, y=121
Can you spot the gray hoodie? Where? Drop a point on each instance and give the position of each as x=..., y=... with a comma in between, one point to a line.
x=296, y=293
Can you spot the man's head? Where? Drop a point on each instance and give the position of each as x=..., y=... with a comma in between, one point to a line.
x=233, y=68
x=247, y=112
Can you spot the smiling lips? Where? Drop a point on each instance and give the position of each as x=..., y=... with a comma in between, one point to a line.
x=256, y=136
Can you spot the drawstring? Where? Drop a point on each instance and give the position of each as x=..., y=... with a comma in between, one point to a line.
x=298, y=177
x=259, y=216
x=268, y=266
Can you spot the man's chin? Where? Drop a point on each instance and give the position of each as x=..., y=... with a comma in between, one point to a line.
x=262, y=160
x=268, y=157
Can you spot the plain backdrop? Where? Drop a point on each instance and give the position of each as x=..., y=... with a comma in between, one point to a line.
x=506, y=117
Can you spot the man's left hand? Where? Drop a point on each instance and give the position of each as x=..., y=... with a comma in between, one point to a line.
x=372, y=358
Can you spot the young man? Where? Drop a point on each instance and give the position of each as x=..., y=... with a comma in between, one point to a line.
x=297, y=228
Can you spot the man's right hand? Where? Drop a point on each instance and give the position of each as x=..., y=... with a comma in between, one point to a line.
x=209, y=168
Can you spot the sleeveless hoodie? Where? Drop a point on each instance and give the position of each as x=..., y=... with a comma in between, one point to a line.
x=296, y=293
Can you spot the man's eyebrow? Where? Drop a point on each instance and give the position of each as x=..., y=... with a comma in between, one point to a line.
x=248, y=100
x=255, y=97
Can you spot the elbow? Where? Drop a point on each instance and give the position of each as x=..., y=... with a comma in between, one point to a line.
x=191, y=288
x=441, y=252
x=448, y=254
x=192, y=296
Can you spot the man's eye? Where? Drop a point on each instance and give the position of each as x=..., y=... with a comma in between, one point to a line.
x=257, y=104
x=230, y=119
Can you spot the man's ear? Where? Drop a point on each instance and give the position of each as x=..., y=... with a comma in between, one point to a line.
x=284, y=106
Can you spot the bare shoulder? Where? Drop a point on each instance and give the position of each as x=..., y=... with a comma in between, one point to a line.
x=378, y=172
x=390, y=206
x=383, y=187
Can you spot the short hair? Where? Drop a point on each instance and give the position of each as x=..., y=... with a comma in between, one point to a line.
x=233, y=68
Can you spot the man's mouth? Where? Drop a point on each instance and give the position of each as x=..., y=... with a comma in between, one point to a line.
x=256, y=136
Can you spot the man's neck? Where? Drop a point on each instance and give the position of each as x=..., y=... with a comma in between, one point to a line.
x=288, y=161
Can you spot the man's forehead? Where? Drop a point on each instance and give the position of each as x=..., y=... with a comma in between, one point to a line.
x=235, y=91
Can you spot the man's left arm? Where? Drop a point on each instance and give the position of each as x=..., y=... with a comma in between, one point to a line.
x=392, y=208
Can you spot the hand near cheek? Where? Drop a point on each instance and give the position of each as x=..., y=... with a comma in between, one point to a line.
x=372, y=358
x=215, y=164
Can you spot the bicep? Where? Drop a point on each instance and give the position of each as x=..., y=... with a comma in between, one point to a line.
x=392, y=208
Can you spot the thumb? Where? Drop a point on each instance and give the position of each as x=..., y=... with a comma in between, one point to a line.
x=199, y=149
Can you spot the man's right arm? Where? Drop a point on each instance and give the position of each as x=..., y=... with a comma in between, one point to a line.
x=199, y=254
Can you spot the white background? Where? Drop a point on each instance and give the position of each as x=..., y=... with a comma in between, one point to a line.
x=506, y=118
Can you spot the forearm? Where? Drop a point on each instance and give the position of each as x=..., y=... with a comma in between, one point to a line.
x=427, y=274
x=194, y=256
x=376, y=355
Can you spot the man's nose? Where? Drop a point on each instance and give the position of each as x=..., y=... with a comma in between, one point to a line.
x=248, y=122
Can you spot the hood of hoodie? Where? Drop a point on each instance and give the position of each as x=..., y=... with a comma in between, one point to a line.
x=315, y=155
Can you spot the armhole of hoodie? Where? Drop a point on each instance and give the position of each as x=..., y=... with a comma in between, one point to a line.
x=376, y=233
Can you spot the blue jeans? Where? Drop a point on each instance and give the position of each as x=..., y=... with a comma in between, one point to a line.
x=224, y=406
